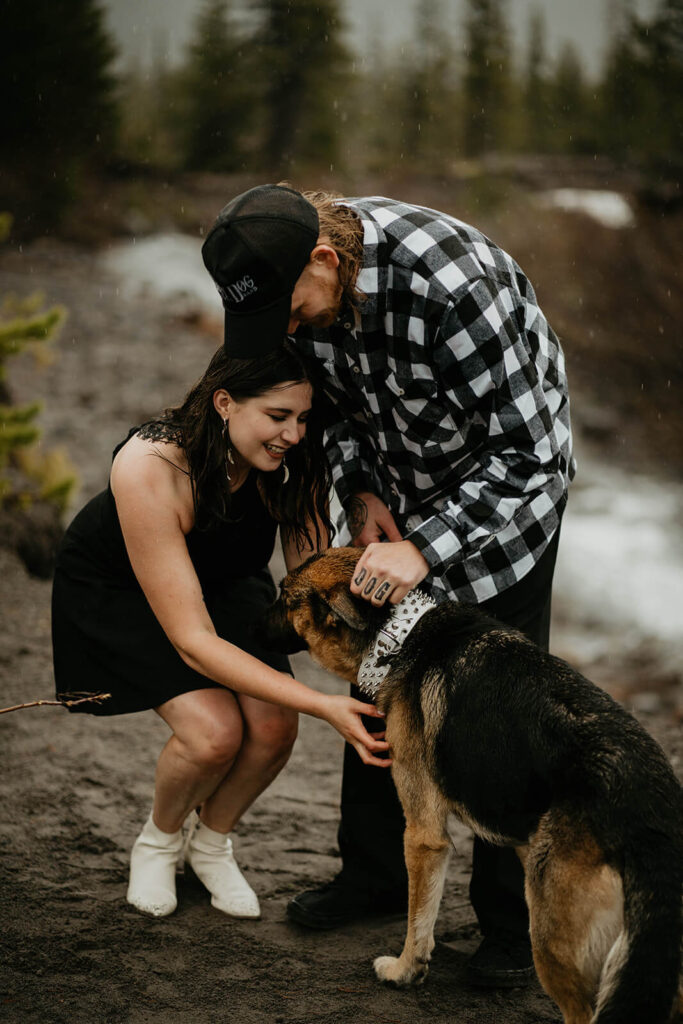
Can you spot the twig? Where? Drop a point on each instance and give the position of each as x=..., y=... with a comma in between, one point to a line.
x=96, y=698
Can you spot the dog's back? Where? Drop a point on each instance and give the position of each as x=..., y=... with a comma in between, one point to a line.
x=528, y=753
x=531, y=753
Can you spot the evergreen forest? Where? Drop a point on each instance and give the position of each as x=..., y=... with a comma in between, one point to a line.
x=271, y=88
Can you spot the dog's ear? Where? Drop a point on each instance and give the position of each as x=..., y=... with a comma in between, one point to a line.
x=345, y=607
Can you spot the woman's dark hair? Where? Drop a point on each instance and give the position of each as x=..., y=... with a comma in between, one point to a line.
x=304, y=499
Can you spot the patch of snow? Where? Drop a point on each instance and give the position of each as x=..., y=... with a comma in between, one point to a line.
x=169, y=266
x=611, y=209
x=620, y=560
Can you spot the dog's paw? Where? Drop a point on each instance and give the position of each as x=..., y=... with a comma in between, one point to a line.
x=389, y=970
x=393, y=971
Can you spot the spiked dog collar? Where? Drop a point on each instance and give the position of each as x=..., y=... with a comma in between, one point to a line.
x=390, y=638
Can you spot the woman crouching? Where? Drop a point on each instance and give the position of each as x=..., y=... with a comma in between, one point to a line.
x=159, y=581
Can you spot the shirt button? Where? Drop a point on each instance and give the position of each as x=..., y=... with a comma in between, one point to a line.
x=356, y=369
x=348, y=326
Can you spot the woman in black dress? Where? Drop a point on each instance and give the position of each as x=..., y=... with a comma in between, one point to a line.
x=158, y=583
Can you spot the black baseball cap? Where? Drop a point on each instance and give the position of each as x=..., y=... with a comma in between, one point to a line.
x=255, y=252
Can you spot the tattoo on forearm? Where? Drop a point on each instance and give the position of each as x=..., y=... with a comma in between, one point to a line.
x=357, y=516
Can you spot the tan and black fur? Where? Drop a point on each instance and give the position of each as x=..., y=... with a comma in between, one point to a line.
x=528, y=753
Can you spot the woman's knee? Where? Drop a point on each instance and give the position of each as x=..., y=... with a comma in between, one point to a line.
x=211, y=733
x=220, y=745
x=272, y=736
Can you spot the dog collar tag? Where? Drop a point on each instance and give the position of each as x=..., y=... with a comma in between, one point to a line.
x=390, y=638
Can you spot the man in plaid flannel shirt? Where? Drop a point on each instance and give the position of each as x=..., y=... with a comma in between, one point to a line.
x=450, y=444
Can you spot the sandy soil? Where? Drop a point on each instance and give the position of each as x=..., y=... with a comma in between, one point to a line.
x=75, y=790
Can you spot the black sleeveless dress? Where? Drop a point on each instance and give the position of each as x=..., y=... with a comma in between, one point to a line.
x=105, y=637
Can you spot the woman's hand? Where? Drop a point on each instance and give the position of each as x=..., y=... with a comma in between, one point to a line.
x=344, y=713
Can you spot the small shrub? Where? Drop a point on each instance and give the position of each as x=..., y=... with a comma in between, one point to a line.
x=34, y=485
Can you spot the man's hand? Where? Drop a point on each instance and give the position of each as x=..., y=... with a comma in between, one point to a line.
x=370, y=520
x=384, y=571
x=388, y=571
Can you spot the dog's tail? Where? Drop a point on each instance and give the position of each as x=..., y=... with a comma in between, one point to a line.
x=640, y=976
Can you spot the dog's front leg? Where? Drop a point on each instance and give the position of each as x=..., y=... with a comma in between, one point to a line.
x=427, y=853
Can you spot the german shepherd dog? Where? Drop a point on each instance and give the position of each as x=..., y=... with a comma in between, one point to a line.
x=528, y=753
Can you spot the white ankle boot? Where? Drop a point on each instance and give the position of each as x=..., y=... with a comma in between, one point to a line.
x=153, y=860
x=210, y=856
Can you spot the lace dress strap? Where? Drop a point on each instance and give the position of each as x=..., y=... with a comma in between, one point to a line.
x=161, y=430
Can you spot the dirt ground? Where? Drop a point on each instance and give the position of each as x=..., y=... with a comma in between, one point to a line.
x=74, y=790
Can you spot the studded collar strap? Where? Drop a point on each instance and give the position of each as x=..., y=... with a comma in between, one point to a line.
x=390, y=638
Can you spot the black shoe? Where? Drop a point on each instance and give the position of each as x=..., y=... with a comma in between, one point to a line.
x=340, y=902
x=502, y=961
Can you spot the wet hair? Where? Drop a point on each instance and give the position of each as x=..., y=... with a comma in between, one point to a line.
x=301, y=503
x=341, y=227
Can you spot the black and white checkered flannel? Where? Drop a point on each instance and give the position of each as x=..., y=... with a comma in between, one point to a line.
x=450, y=399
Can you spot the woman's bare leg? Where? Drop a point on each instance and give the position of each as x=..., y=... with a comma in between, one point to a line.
x=269, y=734
x=224, y=751
x=207, y=735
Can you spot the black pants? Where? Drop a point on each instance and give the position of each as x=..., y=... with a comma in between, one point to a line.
x=372, y=822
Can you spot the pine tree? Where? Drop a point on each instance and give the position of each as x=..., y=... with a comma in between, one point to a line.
x=535, y=92
x=622, y=84
x=660, y=48
x=487, y=76
x=427, y=102
x=642, y=89
x=377, y=96
x=304, y=65
x=213, y=93
x=153, y=130
x=34, y=485
x=59, y=109
x=569, y=107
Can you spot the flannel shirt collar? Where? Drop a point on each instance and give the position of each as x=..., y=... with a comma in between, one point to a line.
x=373, y=276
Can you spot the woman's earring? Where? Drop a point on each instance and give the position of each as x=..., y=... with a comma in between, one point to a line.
x=286, y=476
x=229, y=458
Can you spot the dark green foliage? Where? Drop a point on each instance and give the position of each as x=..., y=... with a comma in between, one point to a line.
x=16, y=332
x=302, y=67
x=660, y=47
x=429, y=85
x=642, y=90
x=408, y=106
x=57, y=99
x=56, y=87
x=58, y=104
x=487, y=76
x=572, y=111
x=269, y=87
x=622, y=88
x=151, y=127
x=26, y=475
x=214, y=93
x=535, y=88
